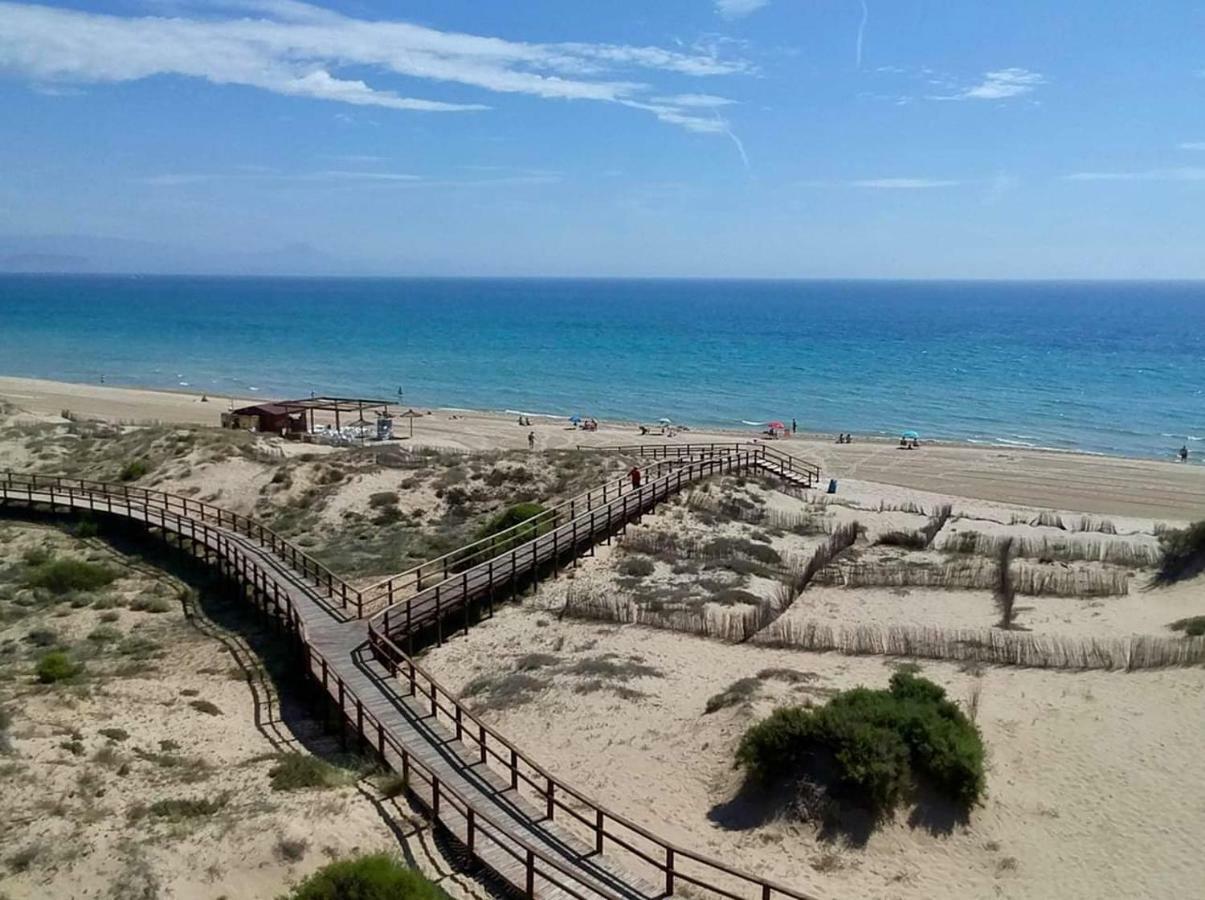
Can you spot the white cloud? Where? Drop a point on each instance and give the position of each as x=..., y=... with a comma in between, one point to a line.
x=1184, y=173
x=887, y=184
x=1192, y=145
x=902, y=184
x=737, y=9
x=695, y=101
x=346, y=177
x=1002, y=84
x=296, y=49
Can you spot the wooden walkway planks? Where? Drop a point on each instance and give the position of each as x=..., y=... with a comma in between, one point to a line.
x=498, y=803
x=512, y=826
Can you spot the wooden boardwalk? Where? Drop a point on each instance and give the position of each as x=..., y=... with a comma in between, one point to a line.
x=535, y=833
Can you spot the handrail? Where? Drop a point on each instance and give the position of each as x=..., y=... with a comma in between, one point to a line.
x=318, y=574
x=783, y=462
x=392, y=589
x=721, y=458
x=403, y=667
x=263, y=582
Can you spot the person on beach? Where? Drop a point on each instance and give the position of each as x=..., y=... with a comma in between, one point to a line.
x=635, y=476
x=531, y=440
x=794, y=428
x=1184, y=453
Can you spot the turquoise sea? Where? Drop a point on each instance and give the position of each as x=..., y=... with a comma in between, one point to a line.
x=1103, y=367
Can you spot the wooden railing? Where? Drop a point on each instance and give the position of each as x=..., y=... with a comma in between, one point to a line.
x=399, y=587
x=235, y=563
x=770, y=459
x=609, y=830
x=453, y=594
x=331, y=586
x=395, y=626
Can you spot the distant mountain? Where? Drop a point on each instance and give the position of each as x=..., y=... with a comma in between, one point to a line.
x=80, y=254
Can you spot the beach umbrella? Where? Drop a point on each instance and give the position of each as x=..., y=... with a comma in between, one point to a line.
x=911, y=436
x=664, y=421
x=411, y=415
x=575, y=419
x=777, y=426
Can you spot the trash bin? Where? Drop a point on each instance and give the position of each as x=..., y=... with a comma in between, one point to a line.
x=832, y=485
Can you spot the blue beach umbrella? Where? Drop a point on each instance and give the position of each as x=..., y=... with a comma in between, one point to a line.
x=911, y=436
x=575, y=419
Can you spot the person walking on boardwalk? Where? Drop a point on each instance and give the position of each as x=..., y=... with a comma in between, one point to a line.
x=635, y=476
x=531, y=440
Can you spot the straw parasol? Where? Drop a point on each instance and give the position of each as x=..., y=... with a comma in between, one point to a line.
x=411, y=415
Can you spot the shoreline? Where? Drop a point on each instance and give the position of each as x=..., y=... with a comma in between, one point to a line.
x=223, y=401
x=1076, y=483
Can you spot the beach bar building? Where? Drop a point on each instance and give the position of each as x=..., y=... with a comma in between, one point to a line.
x=297, y=417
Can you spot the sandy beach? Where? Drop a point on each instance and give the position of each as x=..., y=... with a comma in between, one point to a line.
x=1086, y=772
x=1163, y=491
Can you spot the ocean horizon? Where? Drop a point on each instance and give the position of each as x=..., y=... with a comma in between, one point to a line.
x=1098, y=367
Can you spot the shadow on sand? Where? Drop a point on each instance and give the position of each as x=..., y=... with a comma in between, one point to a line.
x=755, y=805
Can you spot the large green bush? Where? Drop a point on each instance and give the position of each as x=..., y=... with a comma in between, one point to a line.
x=57, y=666
x=869, y=747
x=61, y=576
x=509, y=518
x=375, y=877
x=1183, y=552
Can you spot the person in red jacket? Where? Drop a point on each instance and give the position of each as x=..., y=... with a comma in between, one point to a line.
x=635, y=476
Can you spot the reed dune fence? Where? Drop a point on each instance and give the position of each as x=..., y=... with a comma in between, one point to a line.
x=1119, y=552
x=981, y=575
x=923, y=537
x=990, y=646
x=735, y=624
x=732, y=508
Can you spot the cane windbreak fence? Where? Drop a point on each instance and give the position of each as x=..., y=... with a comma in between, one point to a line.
x=534, y=831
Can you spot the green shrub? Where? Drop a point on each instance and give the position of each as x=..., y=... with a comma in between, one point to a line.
x=61, y=576
x=637, y=566
x=1183, y=552
x=299, y=771
x=57, y=666
x=382, y=499
x=509, y=518
x=204, y=706
x=375, y=877
x=151, y=605
x=1193, y=626
x=868, y=747
x=188, y=808
x=133, y=470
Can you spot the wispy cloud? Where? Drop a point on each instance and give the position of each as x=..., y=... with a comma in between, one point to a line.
x=861, y=34
x=350, y=178
x=1192, y=145
x=886, y=184
x=695, y=101
x=297, y=49
x=736, y=9
x=1000, y=85
x=1184, y=173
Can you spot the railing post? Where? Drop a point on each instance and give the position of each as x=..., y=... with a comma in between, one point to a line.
x=531, y=874
x=669, y=870
x=549, y=799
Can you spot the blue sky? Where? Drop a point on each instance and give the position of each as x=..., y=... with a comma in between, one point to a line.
x=785, y=138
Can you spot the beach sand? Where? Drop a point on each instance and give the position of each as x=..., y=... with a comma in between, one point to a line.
x=1092, y=775
x=1162, y=491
